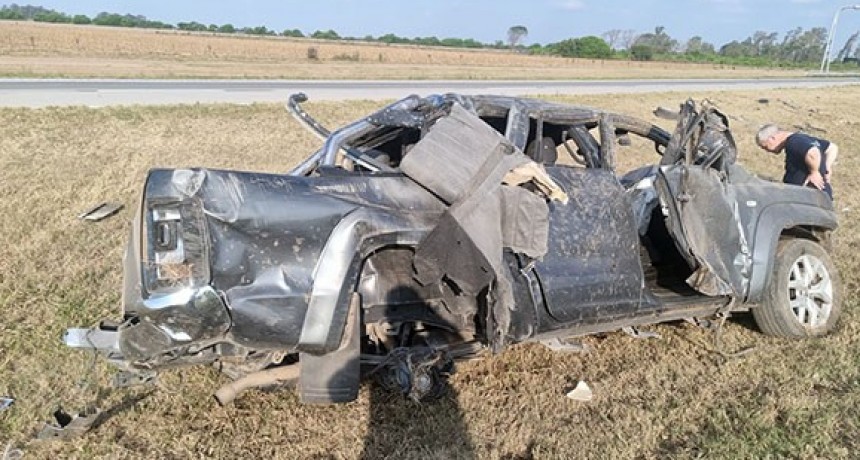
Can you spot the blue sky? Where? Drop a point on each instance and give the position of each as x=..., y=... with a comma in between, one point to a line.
x=717, y=21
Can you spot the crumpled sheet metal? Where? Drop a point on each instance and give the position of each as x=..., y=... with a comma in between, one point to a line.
x=101, y=211
x=710, y=229
x=68, y=427
x=268, y=258
x=464, y=162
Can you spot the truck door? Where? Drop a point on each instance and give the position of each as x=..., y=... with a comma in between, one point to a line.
x=591, y=272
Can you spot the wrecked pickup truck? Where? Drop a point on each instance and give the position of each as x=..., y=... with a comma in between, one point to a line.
x=443, y=226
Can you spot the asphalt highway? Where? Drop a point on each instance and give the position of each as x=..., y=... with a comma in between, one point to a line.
x=108, y=92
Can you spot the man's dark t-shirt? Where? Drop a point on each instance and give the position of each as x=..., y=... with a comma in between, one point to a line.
x=796, y=147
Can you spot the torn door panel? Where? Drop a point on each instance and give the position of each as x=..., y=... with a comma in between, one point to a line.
x=464, y=162
x=708, y=225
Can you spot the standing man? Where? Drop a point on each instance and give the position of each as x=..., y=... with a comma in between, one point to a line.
x=808, y=160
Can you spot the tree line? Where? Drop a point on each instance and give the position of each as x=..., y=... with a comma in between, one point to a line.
x=798, y=47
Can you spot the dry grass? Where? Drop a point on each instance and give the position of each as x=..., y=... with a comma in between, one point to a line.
x=667, y=398
x=36, y=49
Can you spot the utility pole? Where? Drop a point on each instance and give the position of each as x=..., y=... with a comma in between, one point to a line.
x=825, y=61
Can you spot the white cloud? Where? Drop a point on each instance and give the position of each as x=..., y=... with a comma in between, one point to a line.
x=571, y=4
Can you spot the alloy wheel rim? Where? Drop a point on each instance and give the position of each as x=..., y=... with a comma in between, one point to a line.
x=810, y=291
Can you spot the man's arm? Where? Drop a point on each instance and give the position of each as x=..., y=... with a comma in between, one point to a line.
x=831, y=153
x=813, y=162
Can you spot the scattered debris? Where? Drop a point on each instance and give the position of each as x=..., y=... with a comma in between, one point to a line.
x=10, y=453
x=419, y=373
x=809, y=128
x=666, y=114
x=581, y=393
x=69, y=427
x=101, y=211
x=634, y=332
x=565, y=345
x=789, y=104
x=127, y=379
x=6, y=402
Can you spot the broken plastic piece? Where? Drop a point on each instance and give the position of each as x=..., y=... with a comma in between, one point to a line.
x=632, y=331
x=69, y=427
x=565, y=346
x=127, y=379
x=6, y=403
x=100, y=211
x=581, y=393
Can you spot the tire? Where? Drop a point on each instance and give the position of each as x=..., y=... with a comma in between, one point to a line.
x=795, y=302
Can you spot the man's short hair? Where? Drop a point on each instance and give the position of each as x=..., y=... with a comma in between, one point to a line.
x=765, y=132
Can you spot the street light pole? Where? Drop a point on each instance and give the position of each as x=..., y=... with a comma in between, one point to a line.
x=828, y=48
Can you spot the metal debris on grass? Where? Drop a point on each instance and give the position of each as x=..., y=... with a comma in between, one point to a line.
x=565, y=346
x=101, y=211
x=634, y=332
x=70, y=426
x=6, y=403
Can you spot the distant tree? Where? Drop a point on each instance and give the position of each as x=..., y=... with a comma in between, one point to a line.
x=641, y=52
x=516, y=34
x=659, y=41
x=763, y=43
x=325, y=35
x=10, y=14
x=536, y=48
x=51, y=16
x=612, y=37
x=259, y=30
x=192, y=26
x=227, y=29
x=628, y=36
x=803, y=46
x=593, y=47
x=735, y=49
x=433, y=41
x=107, y=19
x=293, y=33
x=848, y=48
x=81, y=19
x=697, y=46
x=589, y=47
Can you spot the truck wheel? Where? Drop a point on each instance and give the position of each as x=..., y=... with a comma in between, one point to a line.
x=804, y=297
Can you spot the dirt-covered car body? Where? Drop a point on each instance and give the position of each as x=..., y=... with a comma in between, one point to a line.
x=446, y=224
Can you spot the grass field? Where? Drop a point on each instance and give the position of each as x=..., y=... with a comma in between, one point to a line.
x=29, y=49
x=667, y=398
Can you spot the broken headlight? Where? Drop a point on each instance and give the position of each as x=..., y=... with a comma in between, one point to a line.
x=174, y=256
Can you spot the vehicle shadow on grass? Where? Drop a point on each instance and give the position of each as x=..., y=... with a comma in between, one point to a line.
x=400, y=427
